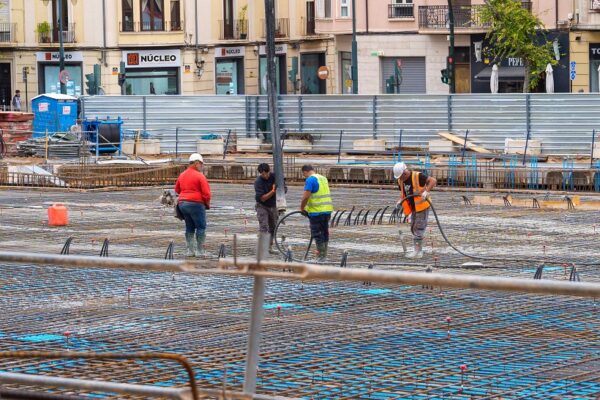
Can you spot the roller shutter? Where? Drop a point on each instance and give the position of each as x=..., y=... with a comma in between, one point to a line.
x=413, y=73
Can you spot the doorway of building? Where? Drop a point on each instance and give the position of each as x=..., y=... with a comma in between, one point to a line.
x=309, y=79
x=5, y=87
x=64, y=11
x=229, y=76
x=310, y=18
x=228, y=21
x=462, y=69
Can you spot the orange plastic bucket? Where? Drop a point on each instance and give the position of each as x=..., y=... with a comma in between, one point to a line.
x=58, y=215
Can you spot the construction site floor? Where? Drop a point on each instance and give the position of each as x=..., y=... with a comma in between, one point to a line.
x=321, y=340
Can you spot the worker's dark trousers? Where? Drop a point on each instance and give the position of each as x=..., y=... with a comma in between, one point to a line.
x=267, y=219
x=419, y=224
x=319, y=227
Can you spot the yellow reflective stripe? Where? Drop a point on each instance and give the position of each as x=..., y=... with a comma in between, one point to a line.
x=326, y=203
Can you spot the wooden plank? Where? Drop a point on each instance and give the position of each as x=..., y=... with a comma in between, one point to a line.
x=461, y=141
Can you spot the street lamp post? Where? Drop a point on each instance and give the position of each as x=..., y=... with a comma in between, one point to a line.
x=61, y=48
x=354, y=51
x=272, y=100
x=451, y=68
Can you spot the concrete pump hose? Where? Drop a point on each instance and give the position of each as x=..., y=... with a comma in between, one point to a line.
x=437, y=220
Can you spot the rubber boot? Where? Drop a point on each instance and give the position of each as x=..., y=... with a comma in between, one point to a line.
x=322, y=249
x=417, y=252
x=272, y=250
x=191, y=245
x=200, y=245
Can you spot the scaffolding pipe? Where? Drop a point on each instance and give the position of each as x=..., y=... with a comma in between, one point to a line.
x=125, y=388
x=91, y=385
x=256, y=321
x=303, y=271
x=319, y=272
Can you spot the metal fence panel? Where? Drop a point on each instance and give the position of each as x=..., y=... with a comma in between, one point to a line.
x=564, y=122
x=187, y=117
x=490, y=119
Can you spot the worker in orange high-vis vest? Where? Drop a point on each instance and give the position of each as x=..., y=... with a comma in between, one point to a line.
x=419, y=185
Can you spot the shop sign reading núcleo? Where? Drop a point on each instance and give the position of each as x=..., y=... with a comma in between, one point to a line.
x=152, y=58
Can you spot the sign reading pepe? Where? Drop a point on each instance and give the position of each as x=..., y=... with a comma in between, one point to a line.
x=152, y=58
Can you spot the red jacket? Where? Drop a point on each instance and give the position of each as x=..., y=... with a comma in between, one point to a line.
x=193, y=186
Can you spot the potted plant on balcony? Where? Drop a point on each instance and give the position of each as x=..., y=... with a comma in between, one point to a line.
x=43, y=29
x=243, y=22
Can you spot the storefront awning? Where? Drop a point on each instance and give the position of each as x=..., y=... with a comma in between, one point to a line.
x=504, y=74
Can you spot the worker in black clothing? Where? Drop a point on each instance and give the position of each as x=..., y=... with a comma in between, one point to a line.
x=266, y=202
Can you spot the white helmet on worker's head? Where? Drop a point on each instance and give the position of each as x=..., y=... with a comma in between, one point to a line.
x=196, y=157
x=399, y=169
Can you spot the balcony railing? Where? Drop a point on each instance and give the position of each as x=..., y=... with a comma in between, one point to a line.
x=308, y=26
x=233, y=29
x=396, y=11
x=465, y=17
x=7, y=32
x=53, y=34
x=282, y=28
x=155, y=26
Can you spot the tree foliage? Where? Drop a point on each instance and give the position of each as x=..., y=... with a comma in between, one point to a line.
x=514, y=33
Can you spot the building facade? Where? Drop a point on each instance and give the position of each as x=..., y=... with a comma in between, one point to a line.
x=168, y=46
x=403, y=44
x=585, y=46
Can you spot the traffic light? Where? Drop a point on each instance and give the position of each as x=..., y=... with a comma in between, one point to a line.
x=90, y=83
x=122, y=76
x=445, y=78
x=98, y=75
x=450, y=69
x=293, y=73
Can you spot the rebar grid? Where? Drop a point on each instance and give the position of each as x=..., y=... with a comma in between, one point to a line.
x=320, y=340
x=325, y=340
x=137, y=225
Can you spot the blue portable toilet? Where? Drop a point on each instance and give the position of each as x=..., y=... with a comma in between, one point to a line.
x=54, y=113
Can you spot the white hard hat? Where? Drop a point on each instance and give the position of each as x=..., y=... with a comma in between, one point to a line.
x=196, y=157
x=399, y=168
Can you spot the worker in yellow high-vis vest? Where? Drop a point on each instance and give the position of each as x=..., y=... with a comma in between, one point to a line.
x=318, y=206
x=419, y=185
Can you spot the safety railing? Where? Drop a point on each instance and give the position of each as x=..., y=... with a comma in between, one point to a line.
x=151, y=26
x=148, y=391
x=233, y=29
x=7, y=32
x=463, y=168
x=437, y=17
x=52, y=34
x=400, y=10
x=282, y=28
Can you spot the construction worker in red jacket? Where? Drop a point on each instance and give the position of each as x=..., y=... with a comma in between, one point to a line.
x=419, y=185
x=194, y=199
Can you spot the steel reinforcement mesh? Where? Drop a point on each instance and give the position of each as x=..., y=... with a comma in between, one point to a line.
x=321, y=340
